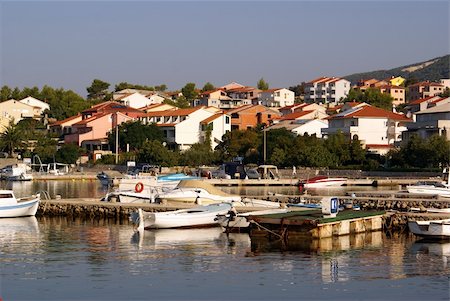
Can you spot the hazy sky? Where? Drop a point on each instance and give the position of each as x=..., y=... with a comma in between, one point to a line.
x=68, y=44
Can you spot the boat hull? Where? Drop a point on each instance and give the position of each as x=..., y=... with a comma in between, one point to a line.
x=324, y=183
x=202, y=216
x=434, y=229
x=24, y=208
x=424, y=189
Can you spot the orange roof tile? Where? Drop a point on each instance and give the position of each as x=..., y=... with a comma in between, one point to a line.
x=179, y=112
x=59, y=122
x=295, y=115
x=211, y=118
x=370, y=111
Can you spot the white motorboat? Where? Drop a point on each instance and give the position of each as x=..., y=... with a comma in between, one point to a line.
x=12, y=207
x=433, y=229
x=200, y=216
x=440, y=188
x=322, y=182
x=17, y=172
x=196, y=192
x=237, y=222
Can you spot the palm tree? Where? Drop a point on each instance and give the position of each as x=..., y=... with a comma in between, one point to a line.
x=11, y=138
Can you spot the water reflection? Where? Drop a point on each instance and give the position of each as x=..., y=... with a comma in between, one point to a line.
x=439, y=249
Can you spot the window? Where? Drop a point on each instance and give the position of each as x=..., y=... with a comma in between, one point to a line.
x=227, y=119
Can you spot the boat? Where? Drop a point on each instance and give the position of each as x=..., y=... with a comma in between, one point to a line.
x=200, y=216
x=17, y=172
x=322, y=182
x=10, y=206
x=108, y=177
x=431, y=229
x=237, y=222
x=440, y=188
x=196, y=192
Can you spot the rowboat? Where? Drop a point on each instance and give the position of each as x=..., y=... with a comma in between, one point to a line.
x=10, y=206
x=200, y=216
x=433, y=229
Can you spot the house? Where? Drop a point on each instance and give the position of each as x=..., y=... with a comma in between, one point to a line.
x=96, y=122
x=423, y=104
x=64, y=127
x=376, y=128
x=92, y=133
x=396, y=92
x=243, y=95
x=183, y=127
x=431, y=121
x=137, y=100
x=303, y=107
x=122, y=93
x=278, y=97
x=249, y=116
x=396, y=80
x=303, y=115
x=215, y=98
x=36, y=103
x=424, y=89
x=15, y=110
x=158, y=107
x=302, y=126
x=231, y=86
x=326, y=90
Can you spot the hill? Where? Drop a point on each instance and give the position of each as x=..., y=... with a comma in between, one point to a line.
x=432, y=70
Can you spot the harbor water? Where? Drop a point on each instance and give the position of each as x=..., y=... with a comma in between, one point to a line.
x=60, y=258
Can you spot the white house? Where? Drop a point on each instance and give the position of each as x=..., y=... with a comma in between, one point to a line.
x=279, y=97
x=182, y=128
x=135, y=100
x=327, y=90
x=31, y=101
x=302, y=126
x=377, y=129
x=431, y=121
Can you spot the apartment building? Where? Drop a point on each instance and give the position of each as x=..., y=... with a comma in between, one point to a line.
x=327, y=90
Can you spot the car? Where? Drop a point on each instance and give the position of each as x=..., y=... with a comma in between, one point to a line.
x=252, y=173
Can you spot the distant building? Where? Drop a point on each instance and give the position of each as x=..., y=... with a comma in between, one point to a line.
x=249, y=116
x=424, y=89
x=278, y=97
x=326, y=90
x=396, y=92
x=36, y=103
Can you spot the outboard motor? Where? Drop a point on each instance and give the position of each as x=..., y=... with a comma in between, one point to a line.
x=330, y=206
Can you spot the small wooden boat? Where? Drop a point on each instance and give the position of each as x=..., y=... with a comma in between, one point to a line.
x=433, y=229
x=322, y=182
x=12, y=207
x=237, y=222
x=200, y=216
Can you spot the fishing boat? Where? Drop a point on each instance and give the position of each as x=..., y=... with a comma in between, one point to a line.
x=10, y=206
x=200, y=216
x=440, y=188
x=17, y=172
x=432, y=229
x=322, y=182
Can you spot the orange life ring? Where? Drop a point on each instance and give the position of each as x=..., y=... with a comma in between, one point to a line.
x=139, y=187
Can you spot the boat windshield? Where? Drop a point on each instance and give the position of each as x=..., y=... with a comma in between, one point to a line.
x=6, y=196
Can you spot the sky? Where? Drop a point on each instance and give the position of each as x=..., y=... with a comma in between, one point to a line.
x=68, y=44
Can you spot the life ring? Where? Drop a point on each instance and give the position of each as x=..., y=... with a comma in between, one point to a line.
x=139, y=187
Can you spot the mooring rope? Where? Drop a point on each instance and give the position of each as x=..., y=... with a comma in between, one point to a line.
x=268, y=230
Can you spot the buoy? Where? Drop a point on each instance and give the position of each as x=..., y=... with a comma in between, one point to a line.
x=139, y=187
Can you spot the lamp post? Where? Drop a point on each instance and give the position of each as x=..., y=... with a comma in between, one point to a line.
x=265, y=145
x=117, y=144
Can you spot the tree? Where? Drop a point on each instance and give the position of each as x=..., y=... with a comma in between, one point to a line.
x=46, y=148
x=371, y=96
x=155, y=153
x=189, y=92
x=161, y=88
x=11, y=138
x=134, y=133
x=5, y=93
x=208, y=87
x=262, y=84
x=98, y=89
x=242, y=143
x=68, y=153
x=298, y=89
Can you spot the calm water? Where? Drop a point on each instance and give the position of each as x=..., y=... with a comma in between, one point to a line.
x=64, y=259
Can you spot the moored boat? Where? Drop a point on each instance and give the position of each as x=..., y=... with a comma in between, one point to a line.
x=237, y=222
x=432, y=229
x=322, y=182
x=10, y=206
x=200, y=216
x=440, y=188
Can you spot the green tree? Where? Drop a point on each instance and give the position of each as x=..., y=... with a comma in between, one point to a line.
x=371, y=96
x=98, y=89
x=5, y=93
x=446, y=93
x=11, y=138
x=68, y=153
x=46, y=148
x=262, y=84
x=134, y=133
x=161, y=88
x=155, y=153
x=189, y=92
x=208, y=87
x=242, y=143
x=298, y=89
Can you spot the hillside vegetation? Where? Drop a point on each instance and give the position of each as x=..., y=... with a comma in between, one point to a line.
x=433, y=70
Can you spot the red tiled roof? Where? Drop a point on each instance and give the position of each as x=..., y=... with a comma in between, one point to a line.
x=179, y=112
x=211, y=118
x=319, y=79
x=271, y=90
x=379, y=146
x=371, y=111
x=420, y=100
x=295, y=115
x=59, y=122
x=238, y=109
x=242, y=90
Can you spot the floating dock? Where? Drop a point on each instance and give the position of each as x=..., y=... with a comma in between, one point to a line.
x=312, y=224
